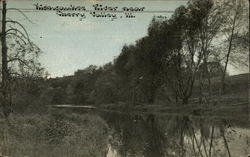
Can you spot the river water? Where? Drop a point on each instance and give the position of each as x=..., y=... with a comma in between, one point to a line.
x=132, y=135
x=124, y=134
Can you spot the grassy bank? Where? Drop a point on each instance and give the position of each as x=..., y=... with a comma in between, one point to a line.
x=57, y=134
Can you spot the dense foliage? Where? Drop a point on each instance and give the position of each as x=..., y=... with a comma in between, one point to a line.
x=178, y=60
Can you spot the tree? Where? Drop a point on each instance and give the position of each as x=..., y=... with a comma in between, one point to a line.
x=235, y=29
x=19, y=56
x=83, y=85
x=142, y=64
x=124, y=68
x=198, y=26
x=186, y=55
x=106, y=88
x=181, y=50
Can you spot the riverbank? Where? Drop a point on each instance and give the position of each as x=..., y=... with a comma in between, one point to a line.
x=54, y=134
x=233, y=104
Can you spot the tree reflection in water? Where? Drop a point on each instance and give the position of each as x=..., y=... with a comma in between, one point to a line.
x=171, y=136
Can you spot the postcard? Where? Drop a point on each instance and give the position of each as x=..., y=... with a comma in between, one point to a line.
x=124, y=78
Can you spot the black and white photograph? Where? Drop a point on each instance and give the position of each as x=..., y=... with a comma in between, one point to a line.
x=124, y=78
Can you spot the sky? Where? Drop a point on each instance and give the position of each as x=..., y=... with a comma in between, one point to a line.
x=72, y=43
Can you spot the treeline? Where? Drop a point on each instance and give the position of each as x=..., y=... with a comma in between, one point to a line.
x=178, y=59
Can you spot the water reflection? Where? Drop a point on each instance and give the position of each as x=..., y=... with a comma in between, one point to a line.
x=122, y=134
x=134, y=135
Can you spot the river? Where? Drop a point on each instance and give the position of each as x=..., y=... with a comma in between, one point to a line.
x=175, y=136
x=78, y=133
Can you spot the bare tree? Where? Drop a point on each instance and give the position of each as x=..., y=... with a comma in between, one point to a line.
x=236, y=19
x=19, y=55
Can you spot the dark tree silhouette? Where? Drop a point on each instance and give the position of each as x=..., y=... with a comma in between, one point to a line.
x=19, y=56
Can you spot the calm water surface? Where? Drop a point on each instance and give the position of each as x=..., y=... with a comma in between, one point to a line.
x=132, y=135
x=125, y=134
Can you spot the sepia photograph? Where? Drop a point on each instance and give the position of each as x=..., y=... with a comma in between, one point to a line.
x=124, y=78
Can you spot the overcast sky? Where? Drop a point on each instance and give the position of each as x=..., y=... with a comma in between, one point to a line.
x=69, y=44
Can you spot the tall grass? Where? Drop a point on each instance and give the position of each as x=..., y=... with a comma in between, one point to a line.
x=54, y=135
